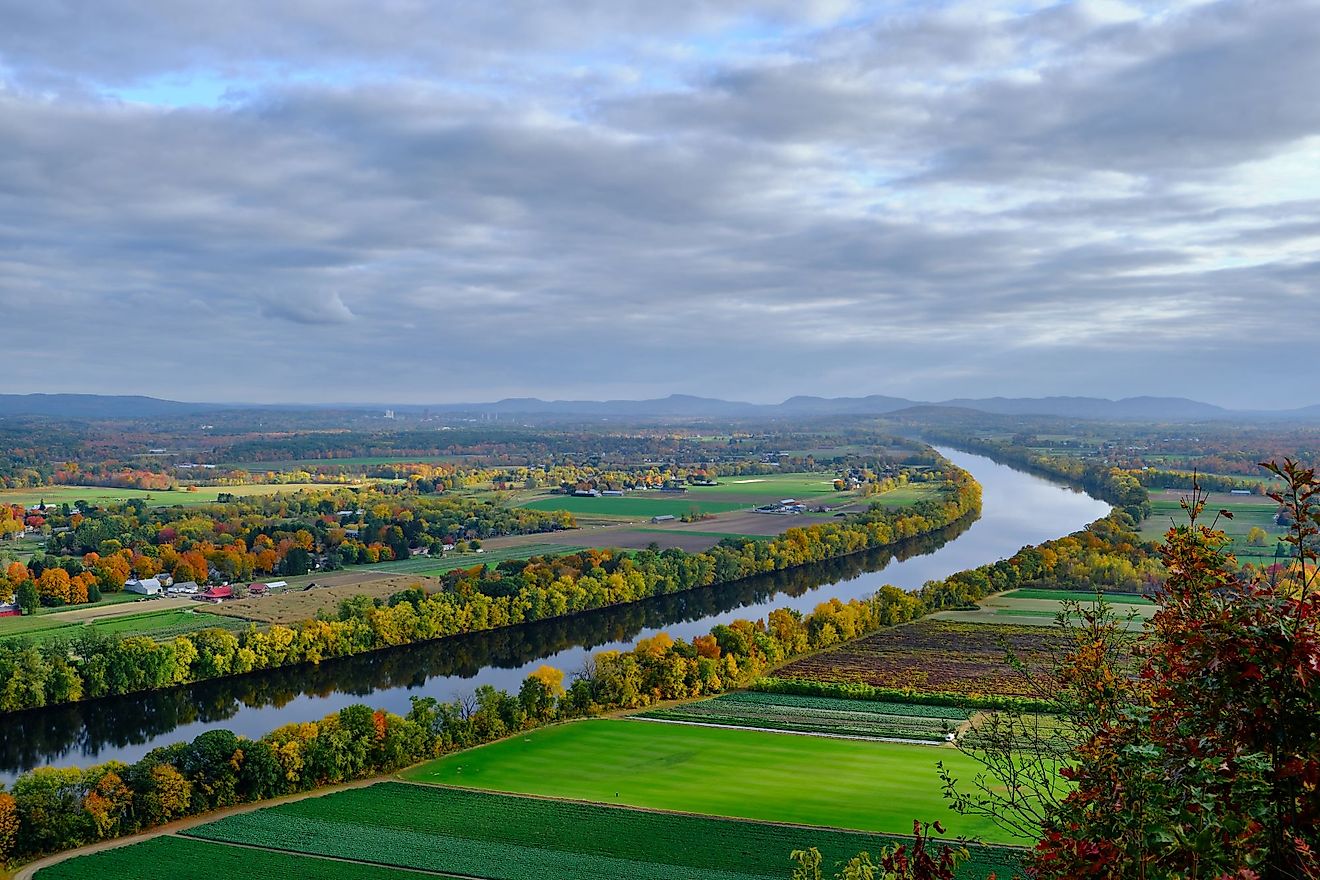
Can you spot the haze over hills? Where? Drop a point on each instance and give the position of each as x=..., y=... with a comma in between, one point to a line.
x=96, y=406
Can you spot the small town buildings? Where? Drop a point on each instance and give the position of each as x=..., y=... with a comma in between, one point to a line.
x=145, y=587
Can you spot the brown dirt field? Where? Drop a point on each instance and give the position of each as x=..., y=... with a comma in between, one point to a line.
x=293, y=606
x=930, y=655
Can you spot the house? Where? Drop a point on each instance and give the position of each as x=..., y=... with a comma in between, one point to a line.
x=148, y=587
x=165, y=579
x=217, y=594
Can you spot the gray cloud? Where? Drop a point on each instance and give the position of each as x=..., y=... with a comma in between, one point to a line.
x=765, y=200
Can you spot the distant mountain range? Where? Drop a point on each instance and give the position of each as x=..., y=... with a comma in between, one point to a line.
x=97, y=406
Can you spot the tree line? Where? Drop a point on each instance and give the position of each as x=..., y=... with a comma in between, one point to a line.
x=93, y=665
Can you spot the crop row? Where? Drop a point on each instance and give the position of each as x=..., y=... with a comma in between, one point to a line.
x=507, y=837
x=936, y=656
x=889, y=727
x=182, y=859
x=869, y=707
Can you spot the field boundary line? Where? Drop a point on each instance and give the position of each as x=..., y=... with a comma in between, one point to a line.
x=26, y=872
x=328, y=858
x=884, y=739
x=688, y=813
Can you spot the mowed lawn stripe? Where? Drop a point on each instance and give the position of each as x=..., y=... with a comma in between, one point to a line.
x=775, y=777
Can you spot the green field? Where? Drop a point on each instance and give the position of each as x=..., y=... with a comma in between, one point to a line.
x=776, y=777
x=637, y=506
x=1248, y=511
x=299, y=464
x=163, y=624
x=823, y=715
x=503, y=837
x=180, y=858
x=1076, y=595
x=1041, y=607
x=56, y=495
x=427, y=565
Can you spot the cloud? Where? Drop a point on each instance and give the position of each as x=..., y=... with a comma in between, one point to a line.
x=749, y=200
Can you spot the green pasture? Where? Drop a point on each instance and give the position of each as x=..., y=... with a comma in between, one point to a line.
x=163, y=624
x=777, y=777
x=637, y=505
x=1248, y=511
x=771, y=487
x=435, y=565
x=94, y=495
x=1040, y=607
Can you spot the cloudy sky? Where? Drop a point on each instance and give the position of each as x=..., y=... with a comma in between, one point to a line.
x=324, y=200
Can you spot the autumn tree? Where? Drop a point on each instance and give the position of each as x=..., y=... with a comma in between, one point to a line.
x=1206, y=762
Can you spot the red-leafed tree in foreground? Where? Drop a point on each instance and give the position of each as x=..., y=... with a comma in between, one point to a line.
x=1211, y=767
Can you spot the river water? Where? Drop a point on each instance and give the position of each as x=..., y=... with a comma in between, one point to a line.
x=1017, y=509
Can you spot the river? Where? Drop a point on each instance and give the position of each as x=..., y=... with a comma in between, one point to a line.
x=1017, y=509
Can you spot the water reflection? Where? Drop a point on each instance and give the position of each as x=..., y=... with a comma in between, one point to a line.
x=1018, y=509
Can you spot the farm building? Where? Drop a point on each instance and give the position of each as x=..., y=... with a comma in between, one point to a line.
x=7, y=610
x=184, y=588
x=258, y=589
x=217, y=594
x=147, y=587
x=667, y=517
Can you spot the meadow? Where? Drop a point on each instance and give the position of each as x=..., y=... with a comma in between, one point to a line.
x=777, y=777
x=56, y=495
x=1248, y=511
x=636, y=506
x=161, y=624
x=506, y=837
x=1040, y=607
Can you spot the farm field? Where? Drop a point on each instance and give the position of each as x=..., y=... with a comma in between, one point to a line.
x=751, y=774
x=824, y=715
x=161, y=624
x=507, y=837
x=637, y=506
x=182, y=858
x=930, y=655
x=1248, y=511
x=261, y=467
x=1040, y=607
x=56, y=495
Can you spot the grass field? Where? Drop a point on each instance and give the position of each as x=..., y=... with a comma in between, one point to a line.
x=162, y=624
x=1031, y=607
x=823, y=715
x=1248, y=511
x=56, y=495
x=777, y=777
x=180, y=858
x=637, y=506
x=506, y=837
